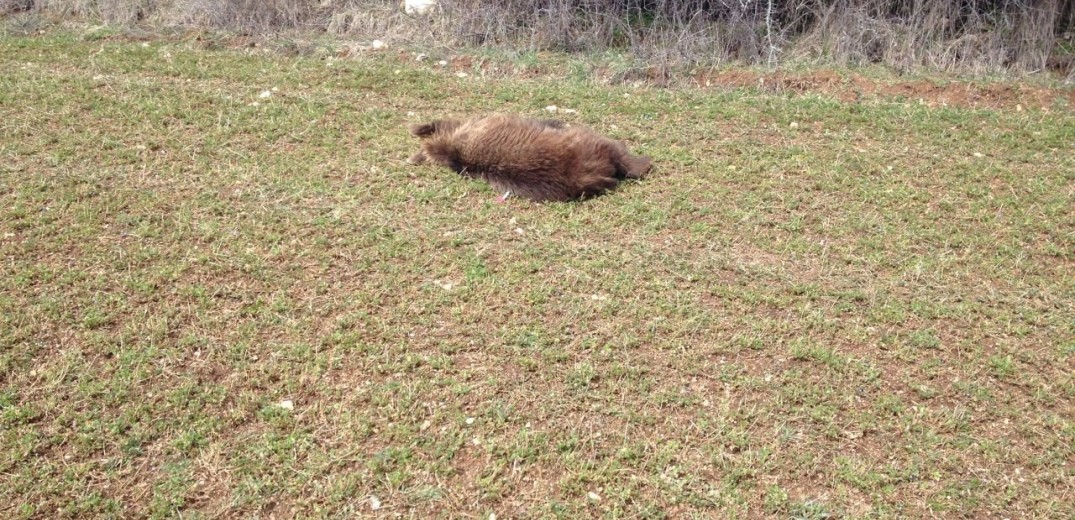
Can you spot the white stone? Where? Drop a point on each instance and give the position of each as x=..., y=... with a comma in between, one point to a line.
x=418, y=6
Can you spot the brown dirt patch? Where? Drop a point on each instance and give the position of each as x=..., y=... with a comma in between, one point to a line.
x=462, y=63
x=855, y=87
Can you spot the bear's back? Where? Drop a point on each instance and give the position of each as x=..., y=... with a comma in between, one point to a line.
x=513, y=145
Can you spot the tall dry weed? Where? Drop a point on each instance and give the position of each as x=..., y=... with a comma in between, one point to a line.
x=977, y=36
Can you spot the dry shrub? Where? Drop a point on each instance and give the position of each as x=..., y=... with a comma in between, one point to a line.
x=246, y=16
x=978, y=36
x=849, y=34
x=377, y=19
x=114, y=12
x=8, y=7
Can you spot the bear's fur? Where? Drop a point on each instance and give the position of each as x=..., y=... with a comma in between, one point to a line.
x=542, y=160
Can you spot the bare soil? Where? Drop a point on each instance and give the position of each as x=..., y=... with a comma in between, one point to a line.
x=854, y=87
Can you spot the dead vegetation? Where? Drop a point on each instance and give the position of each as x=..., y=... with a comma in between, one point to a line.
x=973, y=36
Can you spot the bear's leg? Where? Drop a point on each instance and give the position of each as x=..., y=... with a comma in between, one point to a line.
x=441, y=150
x=597, y=171
x=634, y=166
x=418, y=158
x=628, y=165
x=597, y=184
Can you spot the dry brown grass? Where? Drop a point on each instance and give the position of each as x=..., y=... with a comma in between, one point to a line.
x=979, y=37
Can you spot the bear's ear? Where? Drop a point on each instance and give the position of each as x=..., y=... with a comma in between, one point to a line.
x=440, y=126
x=423, y=130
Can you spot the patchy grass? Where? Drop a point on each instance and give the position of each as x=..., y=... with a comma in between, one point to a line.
x=214, y=302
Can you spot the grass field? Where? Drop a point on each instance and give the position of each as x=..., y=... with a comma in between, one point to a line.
x=224, y=294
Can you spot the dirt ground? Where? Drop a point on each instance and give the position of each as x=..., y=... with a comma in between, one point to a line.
x=853, y=86
x=846, y=86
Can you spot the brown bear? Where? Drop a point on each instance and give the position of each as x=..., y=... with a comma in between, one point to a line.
x=542, y=160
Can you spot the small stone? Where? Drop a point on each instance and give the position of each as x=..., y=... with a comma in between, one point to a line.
x=418, y=6
x=265, y=94
x=593, y=496
x=287, y=404
x=794, y=124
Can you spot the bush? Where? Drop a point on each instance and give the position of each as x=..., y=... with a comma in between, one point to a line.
x=970, y=35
